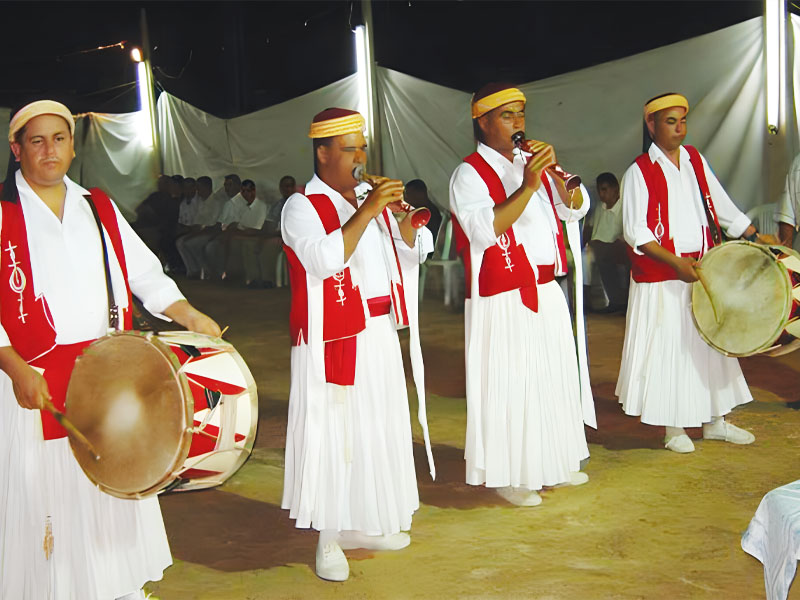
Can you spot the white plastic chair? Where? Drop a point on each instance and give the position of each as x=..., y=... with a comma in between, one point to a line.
x=442, y=258
x=281, y=270
x=763, y=217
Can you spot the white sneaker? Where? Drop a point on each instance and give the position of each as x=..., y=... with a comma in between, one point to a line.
x=332, y=563
x=350, y=540
x=681, y=444
x=727, y=432
x=519, y=496
x=578, y=478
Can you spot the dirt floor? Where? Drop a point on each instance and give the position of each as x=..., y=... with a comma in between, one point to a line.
x=649, y=524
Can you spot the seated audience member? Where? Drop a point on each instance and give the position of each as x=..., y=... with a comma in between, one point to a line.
x=218, y=249
x=261, y=253
x=190, y=204
x=192, y=246
x=170, y=257
x=151, y=212
x=607, y=244
x=416, y=194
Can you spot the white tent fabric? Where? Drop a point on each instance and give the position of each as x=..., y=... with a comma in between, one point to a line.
x=592, y=117
x=110, y=154
x=262, y=146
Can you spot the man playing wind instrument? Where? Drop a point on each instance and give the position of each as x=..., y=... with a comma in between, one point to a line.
x=353, y=270
x=524, y=399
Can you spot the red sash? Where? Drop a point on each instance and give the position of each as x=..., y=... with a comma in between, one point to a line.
x=646, y=269
x=505, y=265
x=27, y=319
x=343, y=310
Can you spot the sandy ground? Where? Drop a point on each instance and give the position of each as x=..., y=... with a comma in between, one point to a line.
x=649, y=524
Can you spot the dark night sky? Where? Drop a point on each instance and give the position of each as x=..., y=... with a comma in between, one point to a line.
x=230, y=58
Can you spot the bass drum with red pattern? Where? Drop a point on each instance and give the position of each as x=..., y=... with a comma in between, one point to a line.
x=164, y=411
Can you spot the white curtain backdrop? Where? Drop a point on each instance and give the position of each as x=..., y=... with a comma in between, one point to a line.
x=262, y=146
x=591, y=116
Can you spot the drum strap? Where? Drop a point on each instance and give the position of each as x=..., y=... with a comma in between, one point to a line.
x=705, y=194
x=113, y=309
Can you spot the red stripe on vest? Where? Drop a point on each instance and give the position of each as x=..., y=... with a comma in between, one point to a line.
x=343, y=311
x=649, y=270
x=28, y=323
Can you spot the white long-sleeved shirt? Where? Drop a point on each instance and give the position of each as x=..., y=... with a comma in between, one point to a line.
x=252, y=216
x=686, y=213
x=322, y=254
x=536, y=229
x=233, y=210
x=209, y=211
x=67, y=266
x=188, y=209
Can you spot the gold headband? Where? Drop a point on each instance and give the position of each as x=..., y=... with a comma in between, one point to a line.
x=35, y=109
x=665, y=102
x=339, y=126
x=483, y=105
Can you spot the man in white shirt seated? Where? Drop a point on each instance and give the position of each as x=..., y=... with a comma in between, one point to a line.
x=190, y=204
x=247, y=230
x=217, y=250
x=192, y=246
x=260, y=253
x=607, y=245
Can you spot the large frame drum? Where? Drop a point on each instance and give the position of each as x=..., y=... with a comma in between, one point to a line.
x=755, y=290
x=164, y=411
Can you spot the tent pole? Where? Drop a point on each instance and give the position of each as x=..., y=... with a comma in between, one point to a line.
x=151, y=97
x=374, y=121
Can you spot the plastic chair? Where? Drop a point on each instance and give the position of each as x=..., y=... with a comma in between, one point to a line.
x=763, y=217
x=442, y=258
x=281, y=270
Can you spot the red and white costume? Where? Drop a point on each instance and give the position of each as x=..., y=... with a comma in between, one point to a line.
x=525, y=411
x=103, y=547
x=349, y=461
x=669, y=376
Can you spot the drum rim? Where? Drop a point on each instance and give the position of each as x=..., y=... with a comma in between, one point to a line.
x=184, y=444
x=787, y=309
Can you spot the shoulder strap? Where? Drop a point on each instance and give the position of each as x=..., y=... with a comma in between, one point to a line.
x=326, y=211
x=113, y=309
x=705, y=194
x=490, y=178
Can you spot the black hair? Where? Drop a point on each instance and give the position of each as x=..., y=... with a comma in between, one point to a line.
x=288, y=178
x=9, y=193
x=316, y=143
x=248, y=183
x=234, y=177
x=607, y=178
x=417, y=184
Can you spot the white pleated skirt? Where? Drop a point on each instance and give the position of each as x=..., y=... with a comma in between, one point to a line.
x=349, y=459
x=103, y=547
x=669, y=376
x=531, y=420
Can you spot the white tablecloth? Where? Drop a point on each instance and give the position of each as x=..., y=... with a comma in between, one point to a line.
x=773, y=537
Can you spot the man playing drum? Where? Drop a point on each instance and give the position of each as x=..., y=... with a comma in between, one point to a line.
x=60, y=537
x=349, y=469
x=524, y=404
x=673, y=206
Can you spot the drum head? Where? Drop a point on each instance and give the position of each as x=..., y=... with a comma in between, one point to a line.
x=126, y=397
x=752, y=297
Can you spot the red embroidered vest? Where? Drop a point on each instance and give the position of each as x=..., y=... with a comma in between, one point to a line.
x=505, y=265
x=643, y=268
x=27, y=319
x=343, y=310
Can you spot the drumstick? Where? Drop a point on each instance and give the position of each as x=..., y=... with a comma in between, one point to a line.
x=67, y=424
x=704, y=282
x=221, y=333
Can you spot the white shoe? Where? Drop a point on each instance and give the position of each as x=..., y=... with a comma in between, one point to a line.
x=350, y=540
x=519, y=496
x=727, y=432
x=332, y=563
x=578, y=478
x=681, y=444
